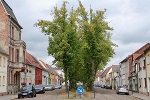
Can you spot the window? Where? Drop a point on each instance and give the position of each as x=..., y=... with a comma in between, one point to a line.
x=144, y=64
x=3, y=80
x=139, y=66
x=139, y=82
x=15, y=79
x=8, y=76
x=12, y=55
x=0, y=61
x=145, y=82
x=24, y=56
x=12, y=32
x=17, y=55
x=0, y=81
x=11, y=77
x=4, y=62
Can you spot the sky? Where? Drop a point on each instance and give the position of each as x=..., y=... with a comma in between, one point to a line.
x=129, y=18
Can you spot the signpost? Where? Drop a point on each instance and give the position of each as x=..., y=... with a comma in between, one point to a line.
x=80, y=91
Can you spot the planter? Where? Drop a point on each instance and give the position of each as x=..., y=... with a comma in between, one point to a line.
x=23, y=83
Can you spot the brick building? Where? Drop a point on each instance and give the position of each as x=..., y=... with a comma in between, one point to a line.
x=10, y=41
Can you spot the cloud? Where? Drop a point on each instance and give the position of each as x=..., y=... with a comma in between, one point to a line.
x=129, y=18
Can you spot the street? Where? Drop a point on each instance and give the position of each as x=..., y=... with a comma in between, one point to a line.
x=108, y=94
x=101, y=94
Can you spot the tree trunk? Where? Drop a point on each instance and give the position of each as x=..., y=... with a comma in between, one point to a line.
x=93, y=74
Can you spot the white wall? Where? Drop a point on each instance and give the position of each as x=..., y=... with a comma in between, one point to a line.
x=124, y=73
x=45, y=79
x=3, y=73
x=141, y=76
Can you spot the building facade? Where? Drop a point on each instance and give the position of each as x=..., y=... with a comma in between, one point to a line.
x=3, y=72
x=10, y=41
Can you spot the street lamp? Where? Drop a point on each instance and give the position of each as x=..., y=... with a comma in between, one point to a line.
x=25, y=72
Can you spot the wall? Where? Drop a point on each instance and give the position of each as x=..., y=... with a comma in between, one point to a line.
x=3, y=74
x=124, y=73
x=3, y=29
x=141, y=76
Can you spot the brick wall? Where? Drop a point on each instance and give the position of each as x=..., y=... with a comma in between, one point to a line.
x=3, y=28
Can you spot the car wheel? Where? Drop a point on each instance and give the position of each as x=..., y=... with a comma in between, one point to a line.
x=127, y=93
x=35, y=95
x=19, y=97
x=117, y=92
x=43, y=91
x=32, y=95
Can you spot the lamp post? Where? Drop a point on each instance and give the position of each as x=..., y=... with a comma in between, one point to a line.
x=25, y=72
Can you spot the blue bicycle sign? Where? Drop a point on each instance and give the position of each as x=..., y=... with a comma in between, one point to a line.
x=80, y=90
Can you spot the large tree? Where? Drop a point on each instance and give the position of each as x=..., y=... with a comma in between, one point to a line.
x=97, y=40
x=79, y=41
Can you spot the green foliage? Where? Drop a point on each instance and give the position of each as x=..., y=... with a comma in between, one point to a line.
x=80, y=42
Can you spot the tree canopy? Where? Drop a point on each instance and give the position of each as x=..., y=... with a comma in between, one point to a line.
x=80, y=42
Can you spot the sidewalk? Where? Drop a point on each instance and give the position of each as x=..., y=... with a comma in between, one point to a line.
x=8, y=97
x=140, y=96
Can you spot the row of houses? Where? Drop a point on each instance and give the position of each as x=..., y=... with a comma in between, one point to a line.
x=17, y=65
x=133, y=71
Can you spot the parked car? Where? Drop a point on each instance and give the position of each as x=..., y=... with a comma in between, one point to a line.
x=103, y=86
x=123, y=89
x=48, y=87
x=57, y=86
x=39, y=88
x=27, y=91
x=108, y=86
x=98, y=85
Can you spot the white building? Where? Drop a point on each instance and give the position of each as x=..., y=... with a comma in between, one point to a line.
x=3, y=72
x=124, y=71
x=141, y=68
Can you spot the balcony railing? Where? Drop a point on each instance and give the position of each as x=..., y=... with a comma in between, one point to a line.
x=18, y=42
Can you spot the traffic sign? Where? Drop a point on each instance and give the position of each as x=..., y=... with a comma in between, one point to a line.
x=80, y=90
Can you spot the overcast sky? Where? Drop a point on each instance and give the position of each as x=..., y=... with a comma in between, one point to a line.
x=129, y=18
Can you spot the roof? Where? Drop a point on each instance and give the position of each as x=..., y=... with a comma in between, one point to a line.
x=138, y=52
x=10, y=12
x=98, y=74
x=115, y=68
x=3, y=51
x=106, y=71
x=147, y=49
x=53, y=70
x=30, y=59
x=45, y=66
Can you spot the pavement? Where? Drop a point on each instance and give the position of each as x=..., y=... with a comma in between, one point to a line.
x=140, y=96
x=135, y=94
x=8, y=97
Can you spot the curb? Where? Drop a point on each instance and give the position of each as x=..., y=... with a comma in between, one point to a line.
x=137, y=97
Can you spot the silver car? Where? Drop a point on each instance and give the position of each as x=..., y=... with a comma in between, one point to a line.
x=123, y=89
x=48, y=87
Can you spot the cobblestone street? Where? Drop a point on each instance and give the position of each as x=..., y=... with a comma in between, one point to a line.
x=101, y=94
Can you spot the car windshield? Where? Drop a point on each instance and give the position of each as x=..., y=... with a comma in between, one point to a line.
x=26, y=88
x=48, y=85
x=38, y=86
x=123, y=87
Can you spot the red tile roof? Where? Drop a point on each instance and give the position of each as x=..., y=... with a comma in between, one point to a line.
x=139, y=51
x=98, y=74
x=30, y=59
x=106, y=71
x=45, y=66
